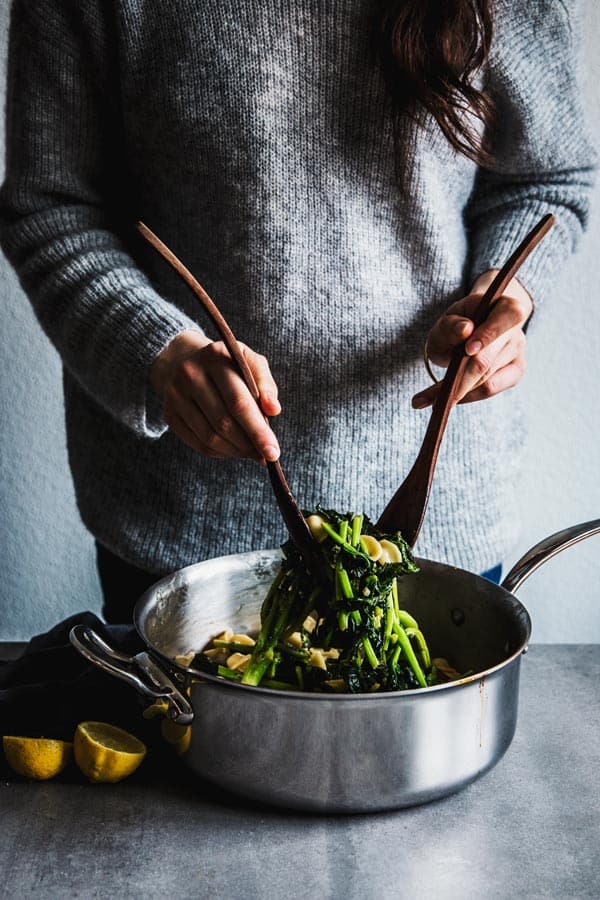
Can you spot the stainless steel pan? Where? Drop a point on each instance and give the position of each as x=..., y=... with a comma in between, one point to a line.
x=337, y=753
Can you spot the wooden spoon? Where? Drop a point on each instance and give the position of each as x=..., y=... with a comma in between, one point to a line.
x=293, y=518
x=406, y=510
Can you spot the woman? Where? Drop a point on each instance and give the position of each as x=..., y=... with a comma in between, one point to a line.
x=315, y=165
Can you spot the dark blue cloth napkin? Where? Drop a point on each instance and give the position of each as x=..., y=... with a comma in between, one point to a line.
x=51, y=687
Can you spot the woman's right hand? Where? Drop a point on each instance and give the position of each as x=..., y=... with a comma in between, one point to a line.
x=206, y=403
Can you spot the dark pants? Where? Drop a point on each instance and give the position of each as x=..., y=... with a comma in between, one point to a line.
x=123, y=584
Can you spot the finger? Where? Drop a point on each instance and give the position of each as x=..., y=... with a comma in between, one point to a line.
x=425, y=398
x=503, y=351
x=480, y=368
x=502, y=380
x=214, y=437
x=264, y=381
x=476, y=371
x=189, y=420
x=184, y=432
x=196, y=399
x=207, y=399
x=243, y=408
x=201, y=437
x=506, y=314
x=446, y=334
x=465, y=307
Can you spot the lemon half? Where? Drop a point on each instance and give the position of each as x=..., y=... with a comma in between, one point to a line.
x=178, y=736
x=104, y=752
x=38, y=758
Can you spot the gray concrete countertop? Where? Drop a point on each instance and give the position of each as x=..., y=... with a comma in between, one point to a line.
x=529, y=828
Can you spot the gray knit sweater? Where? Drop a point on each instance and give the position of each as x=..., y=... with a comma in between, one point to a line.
x=256, y=139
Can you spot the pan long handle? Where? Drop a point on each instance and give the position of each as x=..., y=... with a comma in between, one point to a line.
x=545, y=550
x=140, y=671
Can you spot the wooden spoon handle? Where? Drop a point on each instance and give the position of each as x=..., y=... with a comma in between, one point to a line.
x=406, y=510
x=292, y=516
x=209, y=306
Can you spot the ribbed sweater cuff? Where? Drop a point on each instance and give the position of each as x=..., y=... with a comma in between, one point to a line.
x=155, y=326
x=492, y=244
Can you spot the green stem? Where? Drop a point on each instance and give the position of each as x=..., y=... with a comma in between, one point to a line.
x=278, y=685
x=266, y=607
x=423, y=648
x=357, y=523
x=370, y=653
x=406, y=620
x=224, y=672
x=338, y=540
x=395, y=655
x=389, y=621
x=273, y=628
x=310, y=604
x=404, y=642
x=395, y=597
x=255, y=671
x=345, y=586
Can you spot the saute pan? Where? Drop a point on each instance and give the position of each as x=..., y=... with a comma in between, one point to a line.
x=343, y=752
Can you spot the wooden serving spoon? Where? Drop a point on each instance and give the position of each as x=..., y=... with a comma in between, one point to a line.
x=293, y=518
x=406, y=510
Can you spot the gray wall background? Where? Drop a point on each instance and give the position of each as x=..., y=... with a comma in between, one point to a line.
x=47, y=568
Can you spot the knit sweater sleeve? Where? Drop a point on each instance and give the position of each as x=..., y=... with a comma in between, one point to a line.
x=64, y=214
x=544, y=159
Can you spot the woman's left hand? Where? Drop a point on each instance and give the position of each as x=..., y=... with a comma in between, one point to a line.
x=496, y=348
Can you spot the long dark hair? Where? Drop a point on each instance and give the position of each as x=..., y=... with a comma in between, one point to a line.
x=430, y=52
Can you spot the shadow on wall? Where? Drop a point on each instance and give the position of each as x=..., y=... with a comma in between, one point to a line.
x=46, y=556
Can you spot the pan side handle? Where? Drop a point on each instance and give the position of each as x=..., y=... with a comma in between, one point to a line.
x=140, y=671
x=545, y=550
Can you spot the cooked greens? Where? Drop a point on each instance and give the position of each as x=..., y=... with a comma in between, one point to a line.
x=347, y=636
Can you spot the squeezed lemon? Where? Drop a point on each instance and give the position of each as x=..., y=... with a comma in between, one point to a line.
x=106, y=753
x=38, y=758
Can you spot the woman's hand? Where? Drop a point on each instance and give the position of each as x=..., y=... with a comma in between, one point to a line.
x=208, y=405
x=496, y=348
